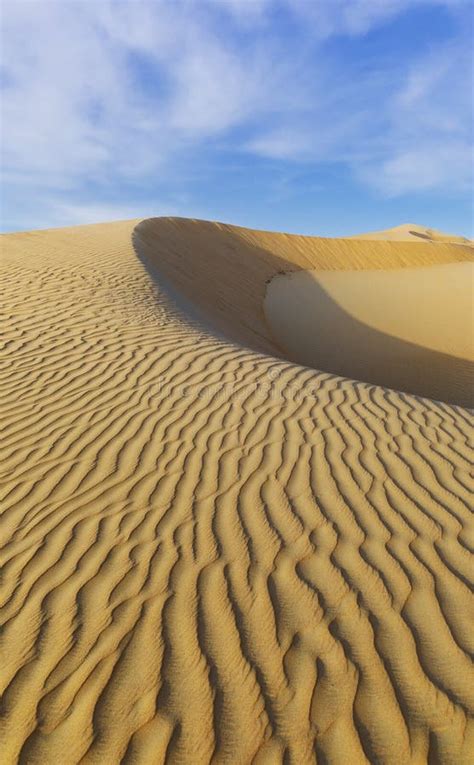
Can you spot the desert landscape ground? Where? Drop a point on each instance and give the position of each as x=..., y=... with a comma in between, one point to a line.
x=211, y=552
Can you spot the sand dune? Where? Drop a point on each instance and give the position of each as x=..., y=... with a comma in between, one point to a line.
x=211, y=553
x=410, y=328
x=410, y=232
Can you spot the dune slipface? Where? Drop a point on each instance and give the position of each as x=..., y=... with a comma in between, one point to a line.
x=211, y=553
x=408, y=328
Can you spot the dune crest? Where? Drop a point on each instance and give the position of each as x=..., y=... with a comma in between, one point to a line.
x=409, y=232
x=210, y=553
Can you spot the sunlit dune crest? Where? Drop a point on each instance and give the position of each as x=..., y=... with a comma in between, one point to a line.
x=410, y=232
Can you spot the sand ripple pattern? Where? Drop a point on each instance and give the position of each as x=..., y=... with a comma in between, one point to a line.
x=210, y=554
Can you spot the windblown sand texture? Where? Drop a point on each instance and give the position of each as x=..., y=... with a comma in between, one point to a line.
x=211, y=553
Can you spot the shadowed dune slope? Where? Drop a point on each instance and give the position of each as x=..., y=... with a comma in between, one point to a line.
x=210, y=553
x=410, y=328
x=220, y=272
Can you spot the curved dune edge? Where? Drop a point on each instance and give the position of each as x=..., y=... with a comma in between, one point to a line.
x=410, y=232
x=411, y=329
x=211, y=553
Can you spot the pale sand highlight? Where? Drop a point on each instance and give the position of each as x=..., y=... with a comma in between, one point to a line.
x=212, y=554
x=410, y=328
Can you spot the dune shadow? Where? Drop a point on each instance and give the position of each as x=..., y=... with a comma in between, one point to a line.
x=338, y=342
x=217, y=276
x=421, y=235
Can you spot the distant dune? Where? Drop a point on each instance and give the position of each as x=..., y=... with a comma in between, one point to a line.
x=409, y=232
x=210, y=552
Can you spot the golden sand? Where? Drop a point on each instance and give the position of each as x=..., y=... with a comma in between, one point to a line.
x=408, y=328
x=211, y=553
x=411, y=232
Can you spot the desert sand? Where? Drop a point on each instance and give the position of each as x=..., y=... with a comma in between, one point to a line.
x=210, y=552
x=411, y=232
x=407, y=328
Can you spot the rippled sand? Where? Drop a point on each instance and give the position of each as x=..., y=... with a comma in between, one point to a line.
x=211, y=553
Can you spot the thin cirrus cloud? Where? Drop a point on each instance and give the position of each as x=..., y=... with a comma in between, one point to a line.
x=103, y=99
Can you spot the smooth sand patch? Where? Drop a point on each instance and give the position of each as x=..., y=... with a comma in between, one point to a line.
x=410, y=329
x=211, y=554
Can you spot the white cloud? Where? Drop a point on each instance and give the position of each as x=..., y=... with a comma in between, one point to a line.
x=426, y=167
x=109, y=88
x=103, y=93
x=357, y=17
x=429, y=135
x=402, y=130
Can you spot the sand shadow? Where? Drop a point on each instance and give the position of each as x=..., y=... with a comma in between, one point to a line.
x=217, y=277
x=348, y=347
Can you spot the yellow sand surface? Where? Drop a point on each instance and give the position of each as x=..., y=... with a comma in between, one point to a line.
x=410, y=232
x=211, y=554
x=410, y=328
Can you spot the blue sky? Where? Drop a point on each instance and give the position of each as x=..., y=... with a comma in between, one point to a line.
x=325, y=117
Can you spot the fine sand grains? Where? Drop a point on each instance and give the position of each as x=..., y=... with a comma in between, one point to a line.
x=210, y=553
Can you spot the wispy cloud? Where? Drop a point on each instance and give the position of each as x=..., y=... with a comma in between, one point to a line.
x=97, y=95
